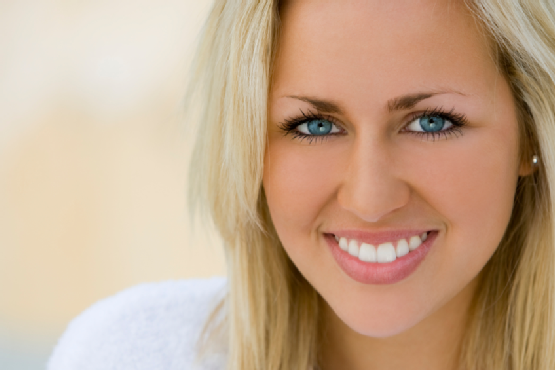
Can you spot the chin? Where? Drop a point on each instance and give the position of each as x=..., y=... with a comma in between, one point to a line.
x=381, y=329
x=379, y=325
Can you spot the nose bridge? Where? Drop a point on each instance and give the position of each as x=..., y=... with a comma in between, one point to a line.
x=372, y=186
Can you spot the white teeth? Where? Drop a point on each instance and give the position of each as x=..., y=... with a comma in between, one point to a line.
x=367, y=253
x=402, y=248
x=414, y=242
x=386, y=253
x=353, y=248
x=343, y=244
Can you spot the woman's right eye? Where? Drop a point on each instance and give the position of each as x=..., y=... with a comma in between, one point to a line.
x=313, y=127
x=317, y=127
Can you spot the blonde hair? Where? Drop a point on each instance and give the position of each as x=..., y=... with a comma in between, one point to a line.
x=271, y=311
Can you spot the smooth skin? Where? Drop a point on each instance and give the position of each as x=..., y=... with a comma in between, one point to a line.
x=377, y=174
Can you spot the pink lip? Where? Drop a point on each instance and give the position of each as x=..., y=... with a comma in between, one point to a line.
x=379, y=273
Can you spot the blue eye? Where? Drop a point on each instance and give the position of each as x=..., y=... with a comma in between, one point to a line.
x=312, y=127
x=429, y=123
x=317, y=127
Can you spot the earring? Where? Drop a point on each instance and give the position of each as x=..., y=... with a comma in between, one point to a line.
x=535, y=160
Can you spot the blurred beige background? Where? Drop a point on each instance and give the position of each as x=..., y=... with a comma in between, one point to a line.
x=93, y=160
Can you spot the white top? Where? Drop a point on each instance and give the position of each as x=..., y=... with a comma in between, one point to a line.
x=152, y=326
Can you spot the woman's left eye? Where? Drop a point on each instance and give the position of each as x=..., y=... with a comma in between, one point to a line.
x=429, y=123
x=317, y=127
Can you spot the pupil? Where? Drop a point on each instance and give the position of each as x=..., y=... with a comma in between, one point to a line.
x=432, y=124
x=319, y=127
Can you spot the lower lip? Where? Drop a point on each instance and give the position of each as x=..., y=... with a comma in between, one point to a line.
x=380, y=273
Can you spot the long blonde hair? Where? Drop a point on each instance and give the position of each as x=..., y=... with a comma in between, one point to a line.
x=271, y=311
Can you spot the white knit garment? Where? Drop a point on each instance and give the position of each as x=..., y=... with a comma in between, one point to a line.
x=153, y=326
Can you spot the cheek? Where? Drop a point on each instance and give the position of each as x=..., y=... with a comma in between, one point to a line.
x=299, y=181
x=472, y=189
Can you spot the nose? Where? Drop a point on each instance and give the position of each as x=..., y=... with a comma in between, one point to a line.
x=373, y=185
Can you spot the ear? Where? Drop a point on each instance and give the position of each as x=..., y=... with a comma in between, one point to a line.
x=528, y=166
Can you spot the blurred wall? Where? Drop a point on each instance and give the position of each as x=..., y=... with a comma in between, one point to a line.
x=92, y=160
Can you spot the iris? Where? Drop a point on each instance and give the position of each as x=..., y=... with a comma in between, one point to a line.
x=319, y=127
x=431, y=123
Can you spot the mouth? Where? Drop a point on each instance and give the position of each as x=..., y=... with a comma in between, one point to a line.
x=385, y=252
x=380, y=259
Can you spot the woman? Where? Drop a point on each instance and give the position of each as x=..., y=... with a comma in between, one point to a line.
x=382, y=176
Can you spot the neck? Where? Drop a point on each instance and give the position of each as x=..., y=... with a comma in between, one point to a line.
x=432, y=344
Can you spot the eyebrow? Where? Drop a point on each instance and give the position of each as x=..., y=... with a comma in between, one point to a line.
x=403, y=102
x=407, y=101
x=324, y=106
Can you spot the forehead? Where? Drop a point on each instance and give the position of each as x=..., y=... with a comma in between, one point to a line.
x=376, y=48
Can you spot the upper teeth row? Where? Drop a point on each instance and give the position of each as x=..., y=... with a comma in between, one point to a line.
x=383, y=253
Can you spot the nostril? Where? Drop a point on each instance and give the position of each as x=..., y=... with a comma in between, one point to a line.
x=371, y=187
x=373, y=205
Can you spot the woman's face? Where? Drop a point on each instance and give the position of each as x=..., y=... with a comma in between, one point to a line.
x=389, y=124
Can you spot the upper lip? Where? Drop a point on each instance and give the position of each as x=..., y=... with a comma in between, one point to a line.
x=378, y=237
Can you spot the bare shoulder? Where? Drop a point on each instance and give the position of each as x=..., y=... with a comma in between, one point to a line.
x=148, y=326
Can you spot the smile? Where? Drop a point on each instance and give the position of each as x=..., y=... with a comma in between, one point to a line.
x=383, y=253
x=380, y=258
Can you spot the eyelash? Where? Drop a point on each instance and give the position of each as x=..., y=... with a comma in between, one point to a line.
x=458, y=120
x=289, y=126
